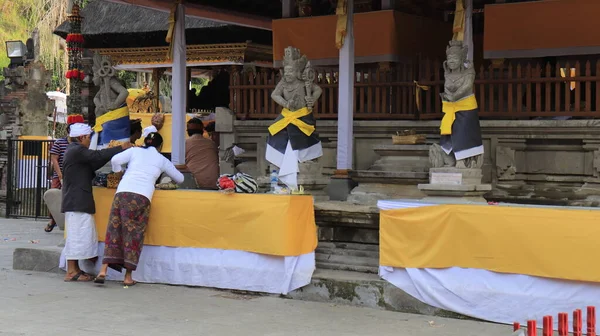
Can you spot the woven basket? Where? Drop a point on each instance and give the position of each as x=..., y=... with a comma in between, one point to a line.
x=408, y=139
x=113, y=180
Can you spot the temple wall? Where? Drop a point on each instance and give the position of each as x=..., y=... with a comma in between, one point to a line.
x=534, y=161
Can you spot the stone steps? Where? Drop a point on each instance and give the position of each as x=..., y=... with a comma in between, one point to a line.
x=347, y=260
x=331, y=266
x=348, y=257
x=349, y=246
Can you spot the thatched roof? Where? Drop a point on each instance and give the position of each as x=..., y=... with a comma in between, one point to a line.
x=115, y=25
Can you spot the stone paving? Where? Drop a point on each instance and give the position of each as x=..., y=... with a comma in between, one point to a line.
x=42, y=304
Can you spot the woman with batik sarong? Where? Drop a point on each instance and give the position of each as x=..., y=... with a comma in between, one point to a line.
x=131, y=206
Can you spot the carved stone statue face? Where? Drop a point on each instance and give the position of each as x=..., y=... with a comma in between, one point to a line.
x=454, y=61
x=290, y=74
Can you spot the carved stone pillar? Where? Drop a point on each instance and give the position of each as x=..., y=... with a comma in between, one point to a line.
x=224, y=120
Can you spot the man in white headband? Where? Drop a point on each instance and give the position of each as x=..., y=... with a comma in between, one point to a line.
x=79, y=167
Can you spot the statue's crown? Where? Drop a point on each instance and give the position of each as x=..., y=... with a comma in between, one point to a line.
x=456, y=47
x=102, y=66
x=293, y=57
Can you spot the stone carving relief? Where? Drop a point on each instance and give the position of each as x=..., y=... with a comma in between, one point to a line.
x=505, y=163
x=111, y=94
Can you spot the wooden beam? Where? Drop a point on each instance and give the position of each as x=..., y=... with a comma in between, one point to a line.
x=206, y=12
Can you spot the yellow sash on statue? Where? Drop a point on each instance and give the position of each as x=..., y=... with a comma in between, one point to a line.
x=290, y=117
x=110, y=116
x=451, y=108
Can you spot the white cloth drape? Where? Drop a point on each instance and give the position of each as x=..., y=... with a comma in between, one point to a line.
x=491, y=296
x=225, y=269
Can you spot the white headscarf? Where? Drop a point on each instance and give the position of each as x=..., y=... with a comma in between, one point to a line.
x=80, y=129
x=148, y=130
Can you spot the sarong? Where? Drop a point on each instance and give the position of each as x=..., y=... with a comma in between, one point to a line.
x=125, y=231
x=290, y=146
x=460, y=130
x=82, y=239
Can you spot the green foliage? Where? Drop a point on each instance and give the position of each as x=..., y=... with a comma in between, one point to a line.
x=199, y=83
x=18, y=19
x=127, y=77
x=16, y=23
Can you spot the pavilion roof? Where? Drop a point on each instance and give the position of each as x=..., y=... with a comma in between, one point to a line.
x=115, y=25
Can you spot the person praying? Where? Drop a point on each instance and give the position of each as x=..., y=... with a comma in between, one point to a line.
x=201, y=156
x=79, y=167
x=130, y=210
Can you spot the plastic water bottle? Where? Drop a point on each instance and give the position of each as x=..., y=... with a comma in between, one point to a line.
x=274, y=181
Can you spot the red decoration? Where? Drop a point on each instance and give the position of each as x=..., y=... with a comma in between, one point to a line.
x=75, y=38
x=75, y=118
x=226, y=183
x=75, y=74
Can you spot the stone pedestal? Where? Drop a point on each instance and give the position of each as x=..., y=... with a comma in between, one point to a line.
x=451, y=182
x=395, y=174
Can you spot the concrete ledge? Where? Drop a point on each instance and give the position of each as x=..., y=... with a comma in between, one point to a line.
x=40, y=260
x=329, y=286
x=364, y=290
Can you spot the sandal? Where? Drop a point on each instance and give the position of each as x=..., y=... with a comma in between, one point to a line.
x=80, y=277
x=129, y=284
x=100, y=279
x=50, y=227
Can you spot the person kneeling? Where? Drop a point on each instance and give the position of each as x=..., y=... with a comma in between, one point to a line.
x=131, y=206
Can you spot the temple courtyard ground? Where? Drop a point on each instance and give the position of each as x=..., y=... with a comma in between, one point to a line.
x=35, y=303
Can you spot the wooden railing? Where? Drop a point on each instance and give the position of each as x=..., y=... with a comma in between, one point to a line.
x=510, y=91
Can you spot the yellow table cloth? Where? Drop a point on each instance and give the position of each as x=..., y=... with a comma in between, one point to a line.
x=276, y=225
x=545, y=242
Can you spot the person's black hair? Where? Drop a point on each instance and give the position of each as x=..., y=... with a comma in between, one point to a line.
x=198, y=127
x=153, y=140
x=136, y=126
x=210, y=127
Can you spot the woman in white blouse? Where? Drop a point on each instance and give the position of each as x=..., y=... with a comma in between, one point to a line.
x=131, y=206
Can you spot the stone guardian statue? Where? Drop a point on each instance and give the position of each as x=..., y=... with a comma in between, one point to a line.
x=292, y=138
x=112, y=114
x=460, y=143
